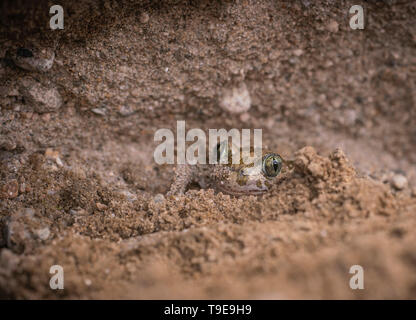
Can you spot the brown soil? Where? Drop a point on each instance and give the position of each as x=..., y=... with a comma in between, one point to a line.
x=79, y=186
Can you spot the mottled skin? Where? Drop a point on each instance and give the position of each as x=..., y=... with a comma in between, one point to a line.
x=234, y=179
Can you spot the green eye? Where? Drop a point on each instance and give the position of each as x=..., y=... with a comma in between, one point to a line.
x=272, y=164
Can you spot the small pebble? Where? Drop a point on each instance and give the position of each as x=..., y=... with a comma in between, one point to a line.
x=130, y=196
x=349, y=117
x=98, y=111
x=125, y=111
x=59, y=162
x=22, y=187
x=144, y=18
x=298, y=52
x=159, y=198
x=244, y=117
x=15, y=234
x=399, y=181
x=8, y=260
x=7, y=143
x=43, y=233
x=236, y=99
x=30, y=212
x=78, y=212
x=51, y=154
x=34, y=59
x=316, y=169
x=26, y=115
x=10, y=190
x=101, y=206
x=42, y=99
x=332, y=26
x=337, y=102
x=46, y=117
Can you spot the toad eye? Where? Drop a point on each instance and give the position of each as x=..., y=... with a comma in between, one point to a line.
x=225, y=152
x=272, y=164
x=222, y=150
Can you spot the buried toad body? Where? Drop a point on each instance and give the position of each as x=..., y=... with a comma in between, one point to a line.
x=235, y=169
x=237, y=179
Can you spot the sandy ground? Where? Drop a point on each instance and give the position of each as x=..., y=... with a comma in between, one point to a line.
x=79, y=186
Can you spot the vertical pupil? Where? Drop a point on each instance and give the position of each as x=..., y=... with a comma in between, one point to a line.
x=275, y=165
x=222, y=150
x=272, y=165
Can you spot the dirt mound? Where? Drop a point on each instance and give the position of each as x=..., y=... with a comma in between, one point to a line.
x=102, y=237
x=79, y=187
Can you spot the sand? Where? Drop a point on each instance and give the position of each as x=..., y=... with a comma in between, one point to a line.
x=79, y=186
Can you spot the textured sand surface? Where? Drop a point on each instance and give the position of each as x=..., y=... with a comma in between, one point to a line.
x=79, y=186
